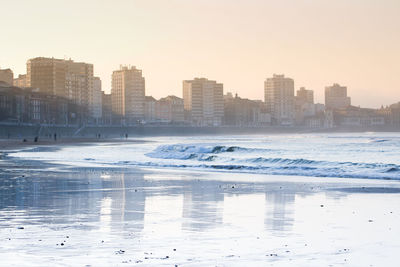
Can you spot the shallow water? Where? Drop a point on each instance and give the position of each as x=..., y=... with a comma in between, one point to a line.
x=165, y=203
x=116, y=218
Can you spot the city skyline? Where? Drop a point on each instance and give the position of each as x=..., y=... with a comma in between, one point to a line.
x=200, y=132
x=21, y=79
x=241, y=53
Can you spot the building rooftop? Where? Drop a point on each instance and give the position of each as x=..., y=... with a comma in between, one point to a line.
x=150, y=98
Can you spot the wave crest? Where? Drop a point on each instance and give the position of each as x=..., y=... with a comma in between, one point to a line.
x=223, y=158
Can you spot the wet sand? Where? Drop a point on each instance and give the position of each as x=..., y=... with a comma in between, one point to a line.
x=12, y=144
x=53, y=214
x=126, y=217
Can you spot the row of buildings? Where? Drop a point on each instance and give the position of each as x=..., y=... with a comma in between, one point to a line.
x=75, y=83
x=58, y=91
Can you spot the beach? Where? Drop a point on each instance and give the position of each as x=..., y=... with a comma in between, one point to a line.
x=70, y=205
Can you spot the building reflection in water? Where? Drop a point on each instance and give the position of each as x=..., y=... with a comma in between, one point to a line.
x=202, y=201
x=118, y=202
x=123, y=201
x=279, y=214
x=78, y=199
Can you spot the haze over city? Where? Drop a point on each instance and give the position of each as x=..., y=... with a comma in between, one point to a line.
x=239, y=43
x=200, y=133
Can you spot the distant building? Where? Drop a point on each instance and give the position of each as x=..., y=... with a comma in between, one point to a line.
x=170, y=109
x=7, y=76
x=314, y=121
x=63, y=78
x=279, y=99
x=358, y=117
x=95, y=100
x=106, y=109
x=28, y=105
x=228, y=96
x=150, y=109
x=328, y=119
x=305, y=96
x=304, y=105
x=21, y=81
x=395, y=114
x=203, y=101
x=128, y=94
x=244, y=112
x=336, y=97
x=319, y=108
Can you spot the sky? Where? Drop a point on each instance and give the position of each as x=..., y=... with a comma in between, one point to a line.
x=239, y=43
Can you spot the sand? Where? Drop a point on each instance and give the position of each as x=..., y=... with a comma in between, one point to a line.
x=118, y=217
x=53, y=214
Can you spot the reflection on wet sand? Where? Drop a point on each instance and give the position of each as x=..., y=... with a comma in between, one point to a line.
x=109, y=217
x=118, y=201
x=201, y=206
x=279, y=214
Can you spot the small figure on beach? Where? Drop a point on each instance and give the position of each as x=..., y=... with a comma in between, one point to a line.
x=55, y=136
x=36, y=139
x=126, y=136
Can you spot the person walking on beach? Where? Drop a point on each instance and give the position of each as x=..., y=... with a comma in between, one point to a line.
x=55, y=136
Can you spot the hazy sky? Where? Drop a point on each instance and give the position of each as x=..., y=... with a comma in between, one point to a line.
x=237, y=42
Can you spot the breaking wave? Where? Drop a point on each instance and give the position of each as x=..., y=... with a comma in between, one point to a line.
x=184, y=152
x=242, y=159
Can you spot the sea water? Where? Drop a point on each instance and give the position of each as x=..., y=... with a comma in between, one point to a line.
x=263, y=200
x=353, y=155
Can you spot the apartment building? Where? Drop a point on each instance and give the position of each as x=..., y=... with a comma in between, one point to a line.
x=62, y=78
x=128, y=94
x=203, y=102
x=279, y=99
x=7, y=76
x=336, y=97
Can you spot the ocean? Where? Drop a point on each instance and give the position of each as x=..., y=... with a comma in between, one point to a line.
x=353, y=155
x=245, y=200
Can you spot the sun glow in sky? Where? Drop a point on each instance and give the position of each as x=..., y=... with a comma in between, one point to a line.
x=237, y=42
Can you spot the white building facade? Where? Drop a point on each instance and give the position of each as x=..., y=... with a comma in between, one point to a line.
x=203, y=101
x=128, y=93
x=279, y=99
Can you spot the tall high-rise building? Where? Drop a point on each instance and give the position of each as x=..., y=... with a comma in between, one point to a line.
x=20, y=81
x=336, y=97
x=203, y=101
x=64, y=78
x=279, y=99
x=95, y=99
x=128, y=93
x=7, y=76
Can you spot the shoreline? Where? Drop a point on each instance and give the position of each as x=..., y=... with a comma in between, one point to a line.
x=92, y=131
x=165, y=218
x=162, y=216
x=315, y=183
x=28, y=157
x=12, y=144
x=7, y=161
